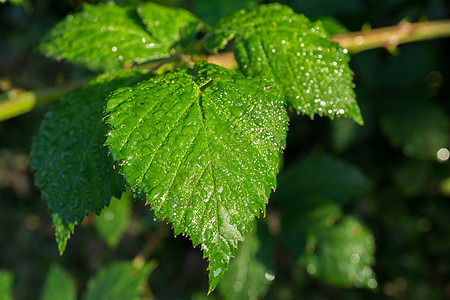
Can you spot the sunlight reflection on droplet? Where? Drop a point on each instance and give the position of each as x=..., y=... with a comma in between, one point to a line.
x=237, y=286
x=109, y=215
x=372, y=283
x=269, y=276
x=443, y=154
x=355, y=258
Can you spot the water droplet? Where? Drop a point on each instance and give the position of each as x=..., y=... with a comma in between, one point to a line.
x=217, y=272
x=372, y=283
x=355, y=258
x=269, y=276
x=237, y=286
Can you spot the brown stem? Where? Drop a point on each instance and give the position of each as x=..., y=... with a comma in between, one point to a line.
x=390, y=37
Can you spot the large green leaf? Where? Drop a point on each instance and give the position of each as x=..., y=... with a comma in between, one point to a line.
x=58, y=285
x=72, y=168
x=118, y=281
x=339, y=249
x=297, y=54
x=104, y=36
x=203, y=146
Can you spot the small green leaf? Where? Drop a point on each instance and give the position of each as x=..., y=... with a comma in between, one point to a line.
x=72, y=167
x=311, y=70
x=320, y=176
x=203, y=146
x=247, y=277
x=118, y=281
x=6, y=285
x=113, y=221
x=58, y=285
x=332, y=26
x=104, y=36
x=63, y=231
x=169, y=25
x=339, y=249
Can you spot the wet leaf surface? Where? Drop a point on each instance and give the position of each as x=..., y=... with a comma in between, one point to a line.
x=203, y=146
x=71, y=165
x=311, y=70
x=104, y=36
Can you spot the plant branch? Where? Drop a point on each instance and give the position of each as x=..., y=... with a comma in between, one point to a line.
x=391, y=37
x=16, y=102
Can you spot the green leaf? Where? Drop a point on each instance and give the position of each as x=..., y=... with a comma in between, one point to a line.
x=320, y=176
x=203, y=146
x=247, y=277
x=104, y=36
x=332, y=26
x=169, y=25
x=339, y=249
x=118, y=281
x=6, y=285
x=58, y=285
x=311, y=70
x=113, y=221
x=72, y=167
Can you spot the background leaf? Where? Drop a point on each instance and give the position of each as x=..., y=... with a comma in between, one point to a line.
x=248, y=277
x=339, y=249
x=6, y=285
x=311, y=70
x=58, y=285
x=332, y=246
x=118, y=281
x=71, y=165
x=203, y=145
x=113, y=221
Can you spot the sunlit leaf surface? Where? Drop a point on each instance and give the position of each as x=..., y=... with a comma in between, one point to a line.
x=104, y=36
x=71, y=165
x=297, y=54
x=203, y=146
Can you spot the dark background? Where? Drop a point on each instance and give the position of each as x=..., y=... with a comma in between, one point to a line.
x=405, y=102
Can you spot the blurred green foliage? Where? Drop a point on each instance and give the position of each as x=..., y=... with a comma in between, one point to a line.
x=404, y=102
x=58, y=285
